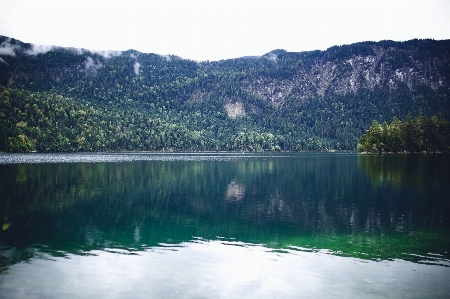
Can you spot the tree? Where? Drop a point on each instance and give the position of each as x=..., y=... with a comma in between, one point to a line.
x=395, y=138
x=413, y=134
x=375, y=138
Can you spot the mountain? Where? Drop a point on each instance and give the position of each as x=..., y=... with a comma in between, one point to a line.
x=67, y=99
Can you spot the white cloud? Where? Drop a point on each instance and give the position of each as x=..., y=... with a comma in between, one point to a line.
x=91, y=65
x=136, y=67
x=272, y=56
x=7, y=49
x=107, y=54
x=39, y=49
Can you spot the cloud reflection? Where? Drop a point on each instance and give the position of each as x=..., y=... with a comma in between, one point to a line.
x=214, y=269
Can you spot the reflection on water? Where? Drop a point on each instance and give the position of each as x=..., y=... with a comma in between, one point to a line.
x=220, y=269
x=422, y=171
x=375, y=208
x=235, y=191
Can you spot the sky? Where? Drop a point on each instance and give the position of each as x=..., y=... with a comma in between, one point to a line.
x=215, y=30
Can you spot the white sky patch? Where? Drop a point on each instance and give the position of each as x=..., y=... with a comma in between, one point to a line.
x=136, y=67
x=214, y=30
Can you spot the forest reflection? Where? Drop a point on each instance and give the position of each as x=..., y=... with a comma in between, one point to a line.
x=365, y=206
x=418, y=170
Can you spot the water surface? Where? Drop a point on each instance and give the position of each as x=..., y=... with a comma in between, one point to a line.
x=220, y=225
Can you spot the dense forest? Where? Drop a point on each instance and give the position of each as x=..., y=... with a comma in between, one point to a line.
x=65, y=99
x=420, y=134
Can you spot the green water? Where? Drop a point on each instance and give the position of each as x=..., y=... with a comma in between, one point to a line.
x=224, y=226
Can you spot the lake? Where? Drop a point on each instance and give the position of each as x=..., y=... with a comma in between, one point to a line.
x=224, y=225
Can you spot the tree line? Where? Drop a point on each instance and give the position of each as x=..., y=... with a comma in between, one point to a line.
x=415, y=135
x=49, y=122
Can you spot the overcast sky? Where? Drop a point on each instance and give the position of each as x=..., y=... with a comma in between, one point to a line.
x=214, y=30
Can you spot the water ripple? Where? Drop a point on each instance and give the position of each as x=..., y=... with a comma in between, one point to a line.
x=39, y=158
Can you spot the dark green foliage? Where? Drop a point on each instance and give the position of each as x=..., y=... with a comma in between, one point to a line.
x=49, y=122
x=420, y=134
x=76, y=100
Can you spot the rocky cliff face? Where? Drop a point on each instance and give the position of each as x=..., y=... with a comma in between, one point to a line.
x=385, y=68
x=275, y=77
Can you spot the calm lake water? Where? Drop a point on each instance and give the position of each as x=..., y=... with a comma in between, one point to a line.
x=220, y=225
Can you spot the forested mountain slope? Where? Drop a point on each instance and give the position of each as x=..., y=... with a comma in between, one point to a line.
x=65, y=99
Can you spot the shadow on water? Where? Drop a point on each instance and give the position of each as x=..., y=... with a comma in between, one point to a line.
x=370, y=207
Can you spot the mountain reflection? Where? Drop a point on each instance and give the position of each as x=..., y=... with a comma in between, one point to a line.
x=235, y=191
x=343, y=203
